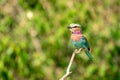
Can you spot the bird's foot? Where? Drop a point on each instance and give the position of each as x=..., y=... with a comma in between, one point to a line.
x=78, y=50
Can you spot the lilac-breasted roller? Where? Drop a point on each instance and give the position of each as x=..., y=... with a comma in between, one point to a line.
x=78, y=39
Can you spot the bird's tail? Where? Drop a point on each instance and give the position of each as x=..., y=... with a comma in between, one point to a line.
x=89, y=55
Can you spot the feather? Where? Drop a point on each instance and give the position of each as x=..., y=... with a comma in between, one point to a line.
x=89, y=49
x=88, y=54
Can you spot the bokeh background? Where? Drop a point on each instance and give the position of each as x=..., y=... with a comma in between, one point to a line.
x=35, y=44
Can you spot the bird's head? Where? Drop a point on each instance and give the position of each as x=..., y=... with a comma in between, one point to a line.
x=74, y=28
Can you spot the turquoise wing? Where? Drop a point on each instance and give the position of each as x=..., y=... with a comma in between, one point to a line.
x=85, y=43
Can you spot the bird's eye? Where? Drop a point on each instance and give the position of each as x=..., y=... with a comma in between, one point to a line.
x=69, y=27
x=75, y=27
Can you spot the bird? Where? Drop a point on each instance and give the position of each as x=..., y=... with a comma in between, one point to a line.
x=79, y=40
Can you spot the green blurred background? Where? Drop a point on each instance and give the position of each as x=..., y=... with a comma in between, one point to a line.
x=35, y=44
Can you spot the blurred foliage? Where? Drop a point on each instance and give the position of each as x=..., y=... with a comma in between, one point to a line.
x=35, y=44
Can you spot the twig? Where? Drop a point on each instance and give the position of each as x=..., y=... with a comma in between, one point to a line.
x=70, y=63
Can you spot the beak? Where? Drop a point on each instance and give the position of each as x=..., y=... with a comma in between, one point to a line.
x=68, y=27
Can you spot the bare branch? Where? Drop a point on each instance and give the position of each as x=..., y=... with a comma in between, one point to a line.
x=70, y=63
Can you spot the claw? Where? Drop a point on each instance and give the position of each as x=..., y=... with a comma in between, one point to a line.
x=78, y=50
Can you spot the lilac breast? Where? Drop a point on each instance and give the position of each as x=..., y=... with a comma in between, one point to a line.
x=76, y=37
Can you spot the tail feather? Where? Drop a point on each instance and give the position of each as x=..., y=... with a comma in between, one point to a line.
x=88, y=54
